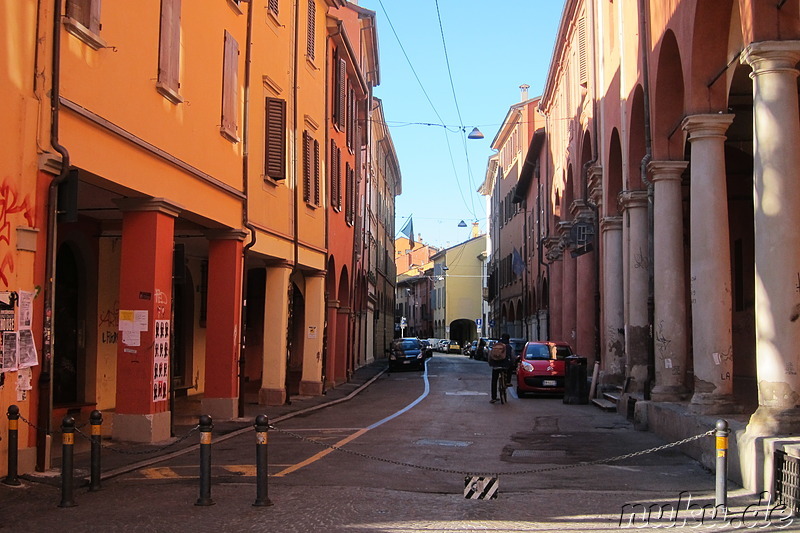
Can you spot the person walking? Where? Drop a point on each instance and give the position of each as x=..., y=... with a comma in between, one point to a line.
x=500, y=357
x=480, y=351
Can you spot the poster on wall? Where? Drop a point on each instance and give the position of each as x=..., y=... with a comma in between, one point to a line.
x=161, y=361
x=10, y=362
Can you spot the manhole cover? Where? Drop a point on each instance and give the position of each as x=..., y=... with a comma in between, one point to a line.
x=539, y=454
x=438, y=442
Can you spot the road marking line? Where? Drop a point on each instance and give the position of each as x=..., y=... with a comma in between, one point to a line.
x=323, y=453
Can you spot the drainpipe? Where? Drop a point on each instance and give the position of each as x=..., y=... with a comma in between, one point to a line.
x=248, y=57
x=45, y=406
x=650, y=190
x=296, y=203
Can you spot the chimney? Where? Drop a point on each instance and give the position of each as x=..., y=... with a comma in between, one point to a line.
x=523, y=92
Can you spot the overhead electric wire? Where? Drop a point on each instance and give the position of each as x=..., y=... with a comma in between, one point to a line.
x=436, y=112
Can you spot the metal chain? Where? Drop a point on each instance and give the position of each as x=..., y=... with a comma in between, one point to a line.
x=112, y=448
x=42, y=430
x=515, y=473
x=142, y=452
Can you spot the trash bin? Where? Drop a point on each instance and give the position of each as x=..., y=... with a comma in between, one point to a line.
x=576, y=384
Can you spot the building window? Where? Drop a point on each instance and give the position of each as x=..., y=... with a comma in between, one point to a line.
x=230, y=84
x=350, y=198
x=83, y=21
x=275, y=139
x=311, y=184
x=169, y=51
x=336, y=177
x=311, y=30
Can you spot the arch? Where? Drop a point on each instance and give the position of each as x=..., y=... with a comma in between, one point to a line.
x=613, y=175
x=669, y=101
x=636, y=142
x=713, y=45
x=586, y=157
x=344, y=287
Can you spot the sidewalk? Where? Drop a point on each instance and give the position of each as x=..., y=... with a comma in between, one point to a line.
x=122, y=457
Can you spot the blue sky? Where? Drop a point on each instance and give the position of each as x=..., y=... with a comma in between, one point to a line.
x=492, y=48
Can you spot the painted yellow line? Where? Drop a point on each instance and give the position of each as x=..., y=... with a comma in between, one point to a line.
x=160, y=472
x=321, y=454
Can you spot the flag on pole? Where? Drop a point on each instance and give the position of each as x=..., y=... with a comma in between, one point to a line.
x=517, y=263
x=408, y=231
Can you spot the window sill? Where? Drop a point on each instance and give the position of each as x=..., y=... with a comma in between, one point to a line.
x=83, y=33
x=169, y=93
x=232, y=137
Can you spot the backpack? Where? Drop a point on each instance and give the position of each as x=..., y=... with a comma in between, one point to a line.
x=498, y=352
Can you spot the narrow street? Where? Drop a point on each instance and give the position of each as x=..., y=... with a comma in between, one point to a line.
x=404, y=468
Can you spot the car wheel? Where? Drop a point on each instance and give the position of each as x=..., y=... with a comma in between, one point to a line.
x=520, y=393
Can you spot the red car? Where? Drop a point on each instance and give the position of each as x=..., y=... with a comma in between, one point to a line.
x=541, y=367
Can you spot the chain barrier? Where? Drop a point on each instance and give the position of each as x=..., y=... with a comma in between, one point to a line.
x=111, y=447
x=514, y=473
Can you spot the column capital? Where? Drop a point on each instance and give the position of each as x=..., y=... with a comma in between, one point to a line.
x=226, y=234
x=632, y=199
x=595, y=179
x=161, y=205
x=666, y=170
x=610, y=224
x=703, y=126
x=771, y=56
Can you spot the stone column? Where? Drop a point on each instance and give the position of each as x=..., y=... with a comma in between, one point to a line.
x=276, y=325
x=776, y=162
x=554, y=270
x=145, y=296
x=568, y=282
x=311, y=381
x=669, y=282
x=710, y=265
x=585, y=289
x=613, y=326
x=635, y=235
x=220, y=398
x=332, y=336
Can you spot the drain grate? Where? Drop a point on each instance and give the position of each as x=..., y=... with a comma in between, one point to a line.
x=539, y=454
x=787, y=481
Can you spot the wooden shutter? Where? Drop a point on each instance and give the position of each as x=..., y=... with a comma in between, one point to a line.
x=275, y=138
x=582, y=51
x=317, y=177
x=350, y=195
x=230, y=84
x=94, y=16
x=85, y=12
x=339, y=178
x=341, y=94
x=273, y=6
x=351, y=117
x=307, y=160
x=169, y=49
x=334, y=175
x=311, y=30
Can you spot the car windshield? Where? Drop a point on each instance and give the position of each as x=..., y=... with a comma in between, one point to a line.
x=408, y=344
x=563, y=352
x=537, y=351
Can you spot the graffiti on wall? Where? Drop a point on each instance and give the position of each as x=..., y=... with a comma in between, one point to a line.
x=108, y=324
x=11, y=203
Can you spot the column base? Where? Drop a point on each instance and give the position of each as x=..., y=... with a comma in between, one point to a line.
x=774, y=421
x=220, y=408
x=310, y=388
x=704, y=403
x=271, y=396
x=154, y=427
x=669, y=393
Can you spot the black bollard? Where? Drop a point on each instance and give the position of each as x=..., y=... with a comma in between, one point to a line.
x=67, y=447
x=261, y=425
x=13, y=446
x=96, y=419
x=721, y=496
x=205, y=461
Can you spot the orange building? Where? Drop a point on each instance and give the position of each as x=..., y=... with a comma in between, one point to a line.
x=156, y=180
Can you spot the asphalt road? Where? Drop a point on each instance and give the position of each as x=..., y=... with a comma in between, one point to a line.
x=408, y=442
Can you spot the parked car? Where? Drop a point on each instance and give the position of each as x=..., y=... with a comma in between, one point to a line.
x=444, y=344
x=470, y=348
x=518, y=345
x=426, y=348
x=406, y=352
x=453, y=347
x=541, y=367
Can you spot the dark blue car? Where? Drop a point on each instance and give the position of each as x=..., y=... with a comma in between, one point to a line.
x=407, y=352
